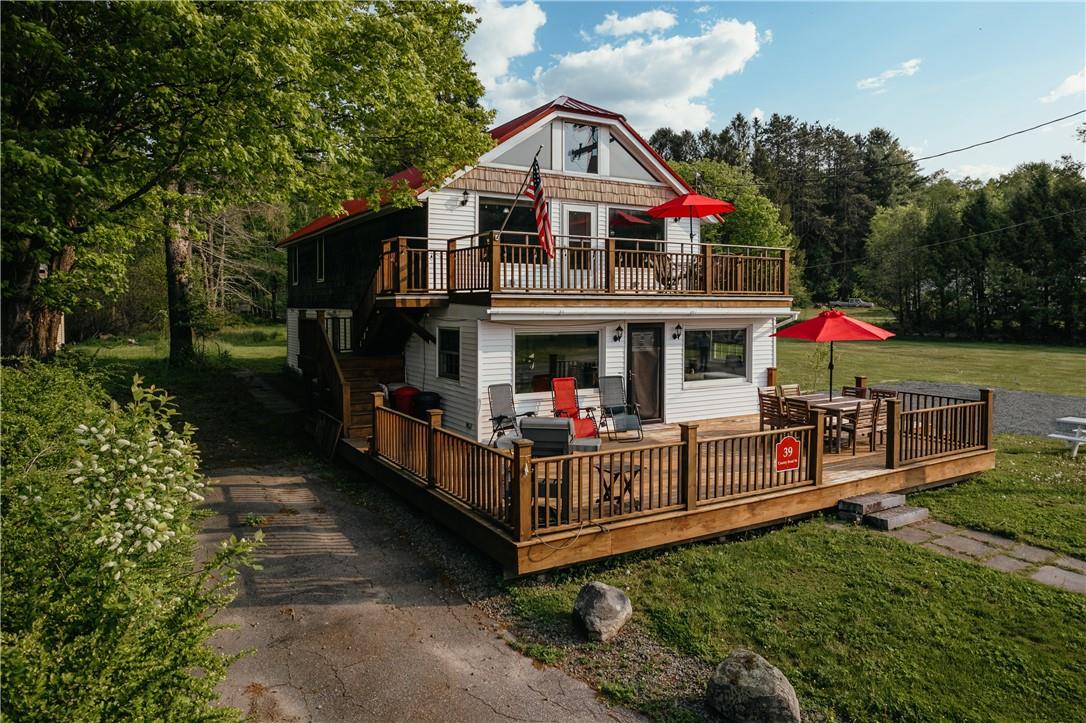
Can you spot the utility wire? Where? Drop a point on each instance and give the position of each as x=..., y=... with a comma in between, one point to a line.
x=863, y=257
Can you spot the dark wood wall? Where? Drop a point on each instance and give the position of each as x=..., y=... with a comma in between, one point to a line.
x=351, y=255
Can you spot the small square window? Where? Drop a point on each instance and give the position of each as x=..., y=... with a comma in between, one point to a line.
x=448, y=354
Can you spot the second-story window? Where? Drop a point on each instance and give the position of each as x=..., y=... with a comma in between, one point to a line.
x=293, y=254
x=520, y=240
x=582, y=148
x=320, y=259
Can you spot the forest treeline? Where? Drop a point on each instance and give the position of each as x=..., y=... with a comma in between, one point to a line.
x=1000, y=259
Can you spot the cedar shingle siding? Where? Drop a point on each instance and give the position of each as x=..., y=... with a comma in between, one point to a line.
x=567, y=188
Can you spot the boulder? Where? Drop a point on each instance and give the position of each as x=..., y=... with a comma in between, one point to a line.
x=601, y=610
x=746, y=689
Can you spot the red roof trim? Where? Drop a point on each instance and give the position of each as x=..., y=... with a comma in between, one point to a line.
x=500, y=134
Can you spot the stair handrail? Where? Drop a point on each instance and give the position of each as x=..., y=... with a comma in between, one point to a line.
x=327, y=360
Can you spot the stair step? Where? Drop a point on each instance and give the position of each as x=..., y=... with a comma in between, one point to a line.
x=359, y=431
x=895, y=517
x=866, y=504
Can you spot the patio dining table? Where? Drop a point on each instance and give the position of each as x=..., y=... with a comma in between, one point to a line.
x=836, y=408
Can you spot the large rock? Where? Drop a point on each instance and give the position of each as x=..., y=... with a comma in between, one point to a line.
x=746, y=689
x=601, y=610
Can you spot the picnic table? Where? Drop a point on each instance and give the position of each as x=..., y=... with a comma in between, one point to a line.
x=1074, y=433
x=836, y=409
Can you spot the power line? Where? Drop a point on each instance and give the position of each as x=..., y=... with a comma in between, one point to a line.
x=863, y=257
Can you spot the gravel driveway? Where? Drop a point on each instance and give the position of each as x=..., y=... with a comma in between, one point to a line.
x=1018, y=412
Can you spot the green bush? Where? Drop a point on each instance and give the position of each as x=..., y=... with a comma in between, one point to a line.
x=105, y=613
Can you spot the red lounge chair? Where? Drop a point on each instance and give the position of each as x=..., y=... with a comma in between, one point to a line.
x=564, y=392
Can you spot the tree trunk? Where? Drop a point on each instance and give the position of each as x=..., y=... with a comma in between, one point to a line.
x=179, y=285
x=29, y=327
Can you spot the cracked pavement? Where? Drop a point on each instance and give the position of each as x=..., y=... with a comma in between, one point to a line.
x=345, y=623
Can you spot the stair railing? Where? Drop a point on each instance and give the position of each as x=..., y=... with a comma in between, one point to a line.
x=334, y=391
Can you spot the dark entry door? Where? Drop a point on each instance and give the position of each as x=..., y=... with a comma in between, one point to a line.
x=645, y=369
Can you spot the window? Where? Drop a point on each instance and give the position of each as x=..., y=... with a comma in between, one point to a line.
x=320, y=259
x=293, y=254
x=448, y=354
x=520, y=230
x=522, y=153
x=579, y=230
x=714, y=354
x=623, y=163
x=625, y=224
x=542, y=357
x=582, y=148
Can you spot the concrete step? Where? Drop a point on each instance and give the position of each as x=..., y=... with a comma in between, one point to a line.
x=866, y=504
x=895, y=517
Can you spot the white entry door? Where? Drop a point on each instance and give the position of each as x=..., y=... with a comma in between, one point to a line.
x=579, y=262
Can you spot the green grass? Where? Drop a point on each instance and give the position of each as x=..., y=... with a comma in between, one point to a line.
x=1036, y=494
x=260, y=347
x=1052, y=369
x=865, y=626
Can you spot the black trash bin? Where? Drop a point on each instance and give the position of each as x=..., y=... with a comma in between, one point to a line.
x=424, y=401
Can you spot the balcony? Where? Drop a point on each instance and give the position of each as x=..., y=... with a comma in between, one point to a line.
x=480, y=266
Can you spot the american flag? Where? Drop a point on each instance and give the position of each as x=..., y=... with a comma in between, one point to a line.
x=534, y=191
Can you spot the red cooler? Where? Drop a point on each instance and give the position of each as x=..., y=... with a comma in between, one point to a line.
x=403, y=399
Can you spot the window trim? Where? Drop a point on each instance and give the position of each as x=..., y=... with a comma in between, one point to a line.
x=748, y=361
x=320, y=260
x=601, y=354
x=459, y=353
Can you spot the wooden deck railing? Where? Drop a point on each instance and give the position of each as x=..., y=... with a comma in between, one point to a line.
x=486, y=262
x=478, y=475
x=922, y=427
x=401, y=439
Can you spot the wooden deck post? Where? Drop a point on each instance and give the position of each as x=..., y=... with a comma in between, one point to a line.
x=431, y=445
x=784, y=271
x=495, y=261
x=708, y=269
x=771, y=376
x=893, y=433
x=609, y=263
x=688, y=463
x=401, y=264
x=521, y=497
x=818, y=420
x=450, y=266
x=988, y=397
x=861, y=381
x=378, y=402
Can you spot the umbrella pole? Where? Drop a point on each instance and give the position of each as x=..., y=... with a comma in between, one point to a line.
x=831, y=371
x=691, y=224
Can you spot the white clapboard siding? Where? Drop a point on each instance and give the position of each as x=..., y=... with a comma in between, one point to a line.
x=292, y=339
x=447, y=218
x=459, y=398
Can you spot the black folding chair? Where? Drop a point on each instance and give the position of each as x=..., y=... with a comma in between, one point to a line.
x=618, y=415
x=503, y=415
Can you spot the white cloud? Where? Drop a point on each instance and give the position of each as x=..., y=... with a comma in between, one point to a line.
x=1071, y=85
x=757, y=114
x=909, y=67
x=654, y=82
x=980, y=171
x=646, y=22
x=701, y=9
x=504, y=32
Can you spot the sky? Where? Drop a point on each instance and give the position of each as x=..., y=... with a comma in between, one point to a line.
x=937, y=75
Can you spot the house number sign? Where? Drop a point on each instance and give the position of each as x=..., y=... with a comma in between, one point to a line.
x=786, y=457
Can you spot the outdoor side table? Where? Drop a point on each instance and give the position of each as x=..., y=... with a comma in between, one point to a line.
x=621, y=475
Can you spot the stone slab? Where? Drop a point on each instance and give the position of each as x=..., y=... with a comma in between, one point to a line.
x=895, y=517
x=848, y=516
x=1071, y=563
x=947, y=551
x=866, y=504
x=965, y=545
x=910, y=534
x=1006, y=564
x=1063, y=579
x=937, y=528
x=1030, y=553
x=987, y=538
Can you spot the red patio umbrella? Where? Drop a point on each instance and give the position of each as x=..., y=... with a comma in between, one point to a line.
x=691, y=205
x=834, y=325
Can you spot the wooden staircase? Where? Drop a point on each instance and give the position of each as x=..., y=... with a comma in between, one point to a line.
x=363, y=374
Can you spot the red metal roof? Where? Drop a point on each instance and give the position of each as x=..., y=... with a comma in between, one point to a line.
x=500, y=134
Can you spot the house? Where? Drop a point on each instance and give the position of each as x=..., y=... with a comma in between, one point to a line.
x=687, y=325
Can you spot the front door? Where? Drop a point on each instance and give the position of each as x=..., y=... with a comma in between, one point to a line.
x=579, y=228
x=645, y=369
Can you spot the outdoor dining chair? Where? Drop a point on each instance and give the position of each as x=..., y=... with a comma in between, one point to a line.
x=797, y=412
x=770, y=410
x=503, y=413
x=858, y=392
x=862, y=421
x=877, y=394
x=789, y=390
x=567, y=404
x=617, y=415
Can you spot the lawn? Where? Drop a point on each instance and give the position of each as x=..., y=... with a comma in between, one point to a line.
x=1052, y=369
x=865, y=626
x=1036, y=494
x=232, y=429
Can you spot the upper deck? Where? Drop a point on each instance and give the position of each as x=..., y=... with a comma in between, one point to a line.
x=511, y=268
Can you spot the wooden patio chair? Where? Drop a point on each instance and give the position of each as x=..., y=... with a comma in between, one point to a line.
x=880, y=421
x=768, y=391
x=797, y=412
x=616, y=413
x=503, y=413
x=771, y=411
x=788, y=390
x=878, y=394
x=858, y=392
x=862, y=421
x=566, y=404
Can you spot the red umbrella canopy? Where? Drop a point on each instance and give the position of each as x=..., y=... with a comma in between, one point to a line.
x=691, y=205
x=834, y=325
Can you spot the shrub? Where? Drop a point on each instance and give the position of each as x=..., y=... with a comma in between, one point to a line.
x=106, y=615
